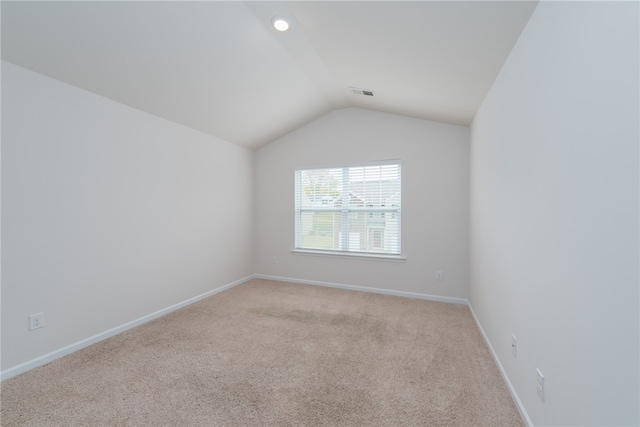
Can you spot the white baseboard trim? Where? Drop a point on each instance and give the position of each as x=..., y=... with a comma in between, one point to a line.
x=512, y=390
x=365, y=289
x=50, y=357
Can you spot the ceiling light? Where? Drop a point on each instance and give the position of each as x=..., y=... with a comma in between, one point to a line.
x=279, y=23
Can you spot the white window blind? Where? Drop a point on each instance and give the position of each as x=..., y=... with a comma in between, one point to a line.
x=351, y=209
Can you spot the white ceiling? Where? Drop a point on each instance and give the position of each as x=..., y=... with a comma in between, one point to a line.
x=220, y=68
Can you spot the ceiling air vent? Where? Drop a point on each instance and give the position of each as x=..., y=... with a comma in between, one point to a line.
x=359, y=91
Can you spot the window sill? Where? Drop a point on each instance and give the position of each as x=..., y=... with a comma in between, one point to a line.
x=348, y=255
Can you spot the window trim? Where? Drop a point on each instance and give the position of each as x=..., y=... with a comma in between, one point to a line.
x=370, y=256
x=399, y=257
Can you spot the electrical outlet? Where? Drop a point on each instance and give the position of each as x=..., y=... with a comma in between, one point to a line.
x=514, y=346
x=439, y=274
x=540, y=384
x=36, y=321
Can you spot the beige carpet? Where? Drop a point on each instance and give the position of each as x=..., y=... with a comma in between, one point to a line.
x=276, y=354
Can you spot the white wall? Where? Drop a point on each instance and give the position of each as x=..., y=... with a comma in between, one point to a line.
x=109, y=214
x=554, y=213
x=434, y=200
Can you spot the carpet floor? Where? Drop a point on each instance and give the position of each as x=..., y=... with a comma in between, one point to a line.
x=269, y=353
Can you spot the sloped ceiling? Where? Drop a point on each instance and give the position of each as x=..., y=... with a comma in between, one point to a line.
x=219, y=67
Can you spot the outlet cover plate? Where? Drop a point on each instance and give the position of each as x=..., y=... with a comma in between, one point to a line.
x=540, y=384
x=36, y=321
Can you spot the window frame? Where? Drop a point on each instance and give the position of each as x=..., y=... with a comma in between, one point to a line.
x=346, y=215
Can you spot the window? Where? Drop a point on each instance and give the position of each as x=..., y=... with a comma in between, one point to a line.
x=351, y=209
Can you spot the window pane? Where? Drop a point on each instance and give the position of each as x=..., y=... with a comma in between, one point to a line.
x=318, y=230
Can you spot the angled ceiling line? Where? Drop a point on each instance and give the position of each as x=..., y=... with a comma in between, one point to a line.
x=301, y=50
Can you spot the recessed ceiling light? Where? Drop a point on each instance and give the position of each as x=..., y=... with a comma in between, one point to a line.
x=280, y=23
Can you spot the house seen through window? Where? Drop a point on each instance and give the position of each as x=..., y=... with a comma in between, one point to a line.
x=352, y=209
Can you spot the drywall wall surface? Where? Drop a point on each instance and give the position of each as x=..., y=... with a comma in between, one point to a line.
x=109, y=214
x=554, y=214
x=434, y=200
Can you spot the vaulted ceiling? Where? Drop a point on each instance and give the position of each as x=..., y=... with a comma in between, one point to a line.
x=221, y=68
